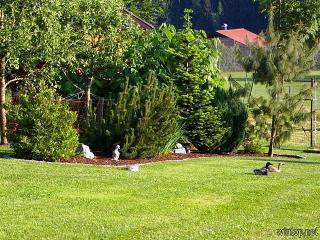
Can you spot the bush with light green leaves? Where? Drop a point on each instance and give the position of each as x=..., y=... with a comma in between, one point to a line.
x=44, y=125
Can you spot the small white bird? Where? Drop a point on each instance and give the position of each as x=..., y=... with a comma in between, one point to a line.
x=116, y=153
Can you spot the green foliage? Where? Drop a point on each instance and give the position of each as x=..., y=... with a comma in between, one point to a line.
x=31, y=43
x=153, y=11
x=147, y=52
x=192, y=62
x=143, y=120
x=102, y=34
x=205, y=129
x=193, y=57
x=255, y=132
x=235, y=116
x=289, y=114
x=44, y=125
x=303, y=16
x=283, y=61
x=252, y=144
x=31, y=35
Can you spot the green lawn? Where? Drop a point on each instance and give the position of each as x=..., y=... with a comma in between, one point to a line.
x=242, y=74
x=215, y=198
x=260, y=90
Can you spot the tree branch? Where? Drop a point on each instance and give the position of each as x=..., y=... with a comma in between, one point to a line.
x=71, y=81
x=14, y=80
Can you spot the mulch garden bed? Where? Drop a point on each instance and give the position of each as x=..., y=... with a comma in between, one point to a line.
x=103, y=160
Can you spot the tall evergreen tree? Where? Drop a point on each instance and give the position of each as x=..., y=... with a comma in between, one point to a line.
x=207, y=13
x=281, y=62
x=193, y=65
x=210, y=15
x=142, y=119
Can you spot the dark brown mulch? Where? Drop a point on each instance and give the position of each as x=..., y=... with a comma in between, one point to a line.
x=103, y=160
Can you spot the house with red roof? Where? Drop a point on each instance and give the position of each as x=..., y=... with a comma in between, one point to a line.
x=240, y=36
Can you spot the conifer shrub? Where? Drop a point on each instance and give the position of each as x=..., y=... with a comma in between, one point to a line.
x=205, y=128
x=44, y=125
x=142, y=120
x=192, y=62
x=234, y=117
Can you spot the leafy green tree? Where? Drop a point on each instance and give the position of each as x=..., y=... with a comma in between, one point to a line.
x=148, y=52
x=295, y=14
x=44, y=125
x=30, y=44
x=281, y=62
x=153, y=11
x=192, y=63
x=101, y=33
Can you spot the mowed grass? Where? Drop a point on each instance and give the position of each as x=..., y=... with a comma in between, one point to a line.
x=260, y=90
x=213, y=198
x=242, y=74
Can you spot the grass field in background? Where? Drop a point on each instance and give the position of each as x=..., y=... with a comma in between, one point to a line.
x=242, y=74
x=300, y=138
x=212, y=198
x=260, y=90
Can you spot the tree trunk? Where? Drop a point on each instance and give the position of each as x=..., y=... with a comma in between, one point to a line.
x=100, y=108
x=272, y=137
x=4, y=139
x=88, y=98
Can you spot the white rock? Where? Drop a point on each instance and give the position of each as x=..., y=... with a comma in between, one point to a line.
x=179, y=149
x=85, y=150
x=178, y=146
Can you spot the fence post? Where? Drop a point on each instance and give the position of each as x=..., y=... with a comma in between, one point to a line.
x=100, y=107
x=313, y=139
x=289, y=91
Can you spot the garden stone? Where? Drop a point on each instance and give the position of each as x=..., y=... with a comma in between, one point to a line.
x=133, y=167
x=179, y=149
x=85, y=150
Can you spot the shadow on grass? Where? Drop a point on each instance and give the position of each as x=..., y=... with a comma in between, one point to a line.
x=249, y=173
x=286, y=161
x=5, y=152
x=123, y=168
x=290, y=149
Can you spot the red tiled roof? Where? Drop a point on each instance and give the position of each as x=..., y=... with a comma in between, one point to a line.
x=243, y=36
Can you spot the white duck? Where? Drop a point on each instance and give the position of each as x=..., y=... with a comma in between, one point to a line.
x=116, y=153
